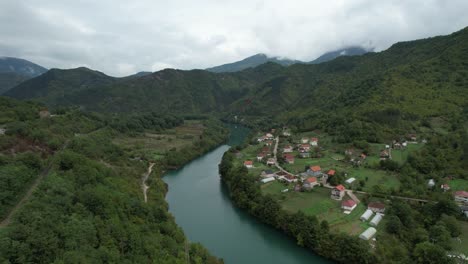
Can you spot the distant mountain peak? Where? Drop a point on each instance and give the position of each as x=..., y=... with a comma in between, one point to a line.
x=13, y=71
x=347, y=51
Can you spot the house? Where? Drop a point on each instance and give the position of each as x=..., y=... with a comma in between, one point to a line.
x=445, y=187
x=350, y=180
x=384, y=154
x=304, y=147
x=314, y=141
x=348, y=205
x=363, y=156
x=461, y=196
x=376, y=207
x=267, y=174
x=349, y=152
x=431, y=183
x=304, y=155
x=304, y=140
x=288, y=177
x=268, y=143
x=397, y=145
x=289, y=158
x=331, y=173
x=269, y=136
x=269, y=179
x=271, y=161
x=314, y=170
x=266, y=150
x=376, y=220
x=338, y=192
x=248, y=164
x=260, y=156
x=44, y=113
x=287, y=149
x=309, y=183
x=262, y=138
x=387, y=146
x=286, y=133
x=368, y=234
x=404, y=144
x=412, y=137
x=366, y=215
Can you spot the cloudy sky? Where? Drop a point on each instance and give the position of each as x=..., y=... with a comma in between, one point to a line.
x=121, y=37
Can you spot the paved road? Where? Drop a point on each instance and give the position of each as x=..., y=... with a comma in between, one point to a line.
x=275, y=150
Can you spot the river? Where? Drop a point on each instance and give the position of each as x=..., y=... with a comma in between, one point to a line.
x=202, y=207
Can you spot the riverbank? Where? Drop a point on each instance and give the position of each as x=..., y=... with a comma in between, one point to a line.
x=306, y=230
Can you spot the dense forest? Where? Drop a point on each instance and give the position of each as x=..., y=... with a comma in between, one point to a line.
x=89, y=206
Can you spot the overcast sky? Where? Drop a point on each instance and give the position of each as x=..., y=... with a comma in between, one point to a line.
x=121, y=37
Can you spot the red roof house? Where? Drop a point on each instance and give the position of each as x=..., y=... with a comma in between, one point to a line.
x=348, y=205
x=331, y=172
x=248, y=164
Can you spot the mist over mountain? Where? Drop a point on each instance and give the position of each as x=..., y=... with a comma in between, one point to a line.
x=14, y=71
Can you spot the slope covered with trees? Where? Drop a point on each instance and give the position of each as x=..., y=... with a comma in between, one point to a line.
x=89, y=206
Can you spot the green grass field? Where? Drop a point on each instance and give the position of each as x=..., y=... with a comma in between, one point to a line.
x=401, y=156
x=458, y=185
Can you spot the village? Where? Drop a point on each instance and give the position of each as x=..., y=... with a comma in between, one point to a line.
x=308, y=173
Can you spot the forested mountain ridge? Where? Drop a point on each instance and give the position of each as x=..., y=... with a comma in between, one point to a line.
x=13, y=71
x=56, y=83
x=408, y=82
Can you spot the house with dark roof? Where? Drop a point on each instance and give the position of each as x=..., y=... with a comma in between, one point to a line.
x=376, y=207
x=289, y=158
x=314, y=142
x=461, y=196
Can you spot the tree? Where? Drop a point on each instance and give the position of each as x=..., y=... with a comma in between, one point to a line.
x=427, y=253
x=393, y=225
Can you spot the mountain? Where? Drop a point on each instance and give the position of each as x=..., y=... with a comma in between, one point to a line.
x=13, y=71
x=376, y=94
x=55, y=84
x=350, y=51
x=251, y=62
x=137, y=75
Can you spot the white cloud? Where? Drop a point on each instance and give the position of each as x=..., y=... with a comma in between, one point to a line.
x=117, y=36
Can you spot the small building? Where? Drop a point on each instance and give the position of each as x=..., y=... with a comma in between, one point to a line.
x=348, y=205
x=384, y=154
x=431, y=183
x=286, y=133
x=248, y=164
x=445, y=187
x=349, y=152
x=404, y=144
x=368, y=234
x=387, y=146
x=314, y=170
x=266, y=150
x=363, y=156
x=289, y=158
x=287, y=149
x=350, y=180
x=269, y=143
x=271, y=161
x=338, y=192
x=376, y=219
x=304, y=140
x=331, y=173
x=309, y=183
x=412, y=137
x=262, y=138
x=366, y=215
x=267, y=174
x=304, y=155
x=461, y=196
x=304, y=147
x=397, y=145
x=269, y=179
x=44, y=113
x=269, y=136
x=376, y=207
x=260, y=156
x=314, y=141
x=288, y=178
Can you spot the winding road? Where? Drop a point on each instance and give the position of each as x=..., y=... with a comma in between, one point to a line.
x=145, y=177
